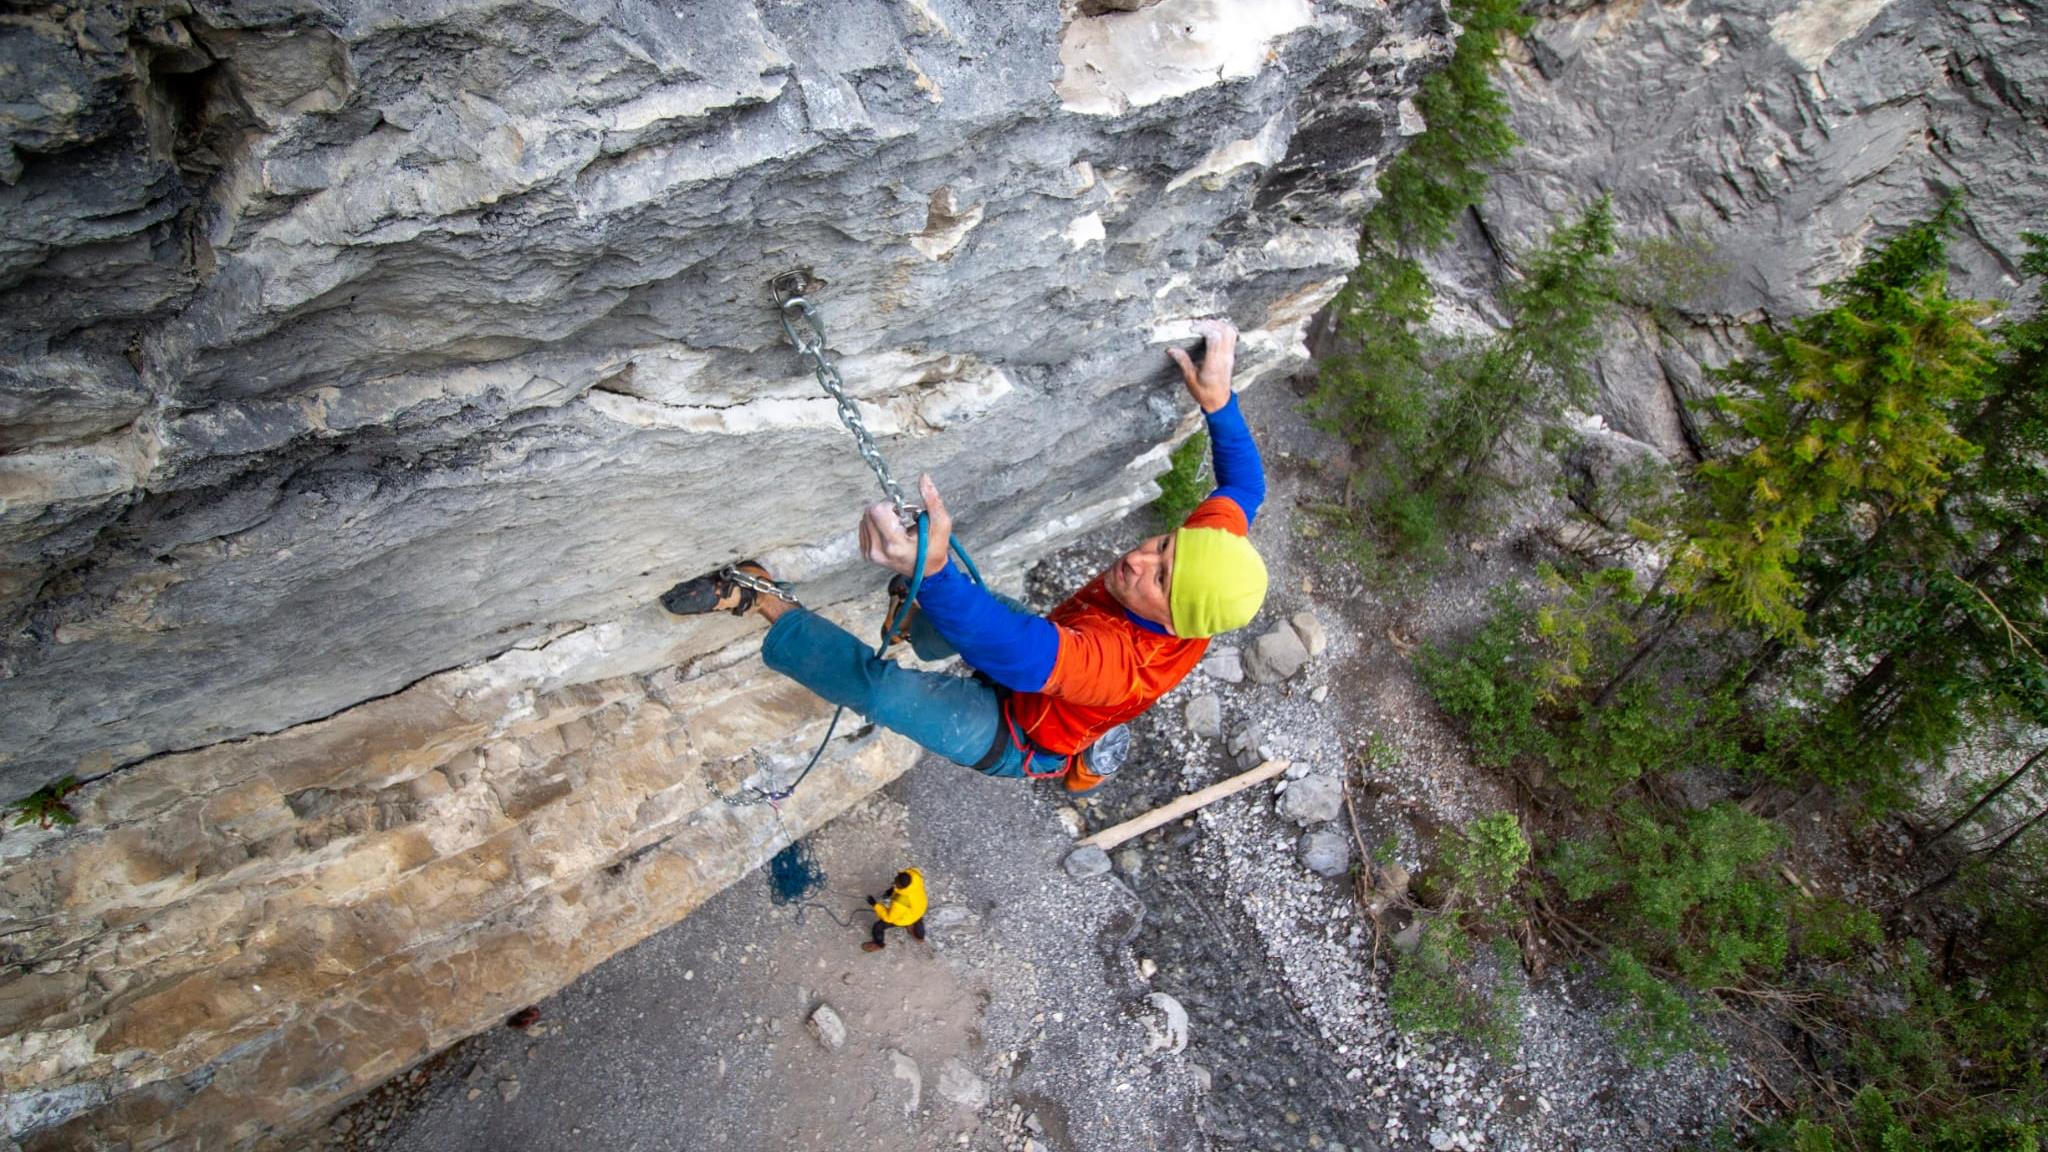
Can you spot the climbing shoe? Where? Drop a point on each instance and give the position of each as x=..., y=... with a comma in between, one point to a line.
x=1100, y=760
x=870, y=946
x=713, y=592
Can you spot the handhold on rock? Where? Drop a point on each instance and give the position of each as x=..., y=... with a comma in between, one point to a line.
x=1170, y=1035
x=1275, y=656
x=826, y=1025
x=1314, y=636
x=1205, y=716
x=1312, y=800
x=1325, y=853
x=1086, y=861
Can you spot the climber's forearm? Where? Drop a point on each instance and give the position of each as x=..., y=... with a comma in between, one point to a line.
x=1239, y=473
x=1015, y=649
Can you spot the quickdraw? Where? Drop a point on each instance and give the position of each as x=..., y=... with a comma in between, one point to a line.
x=806, y=330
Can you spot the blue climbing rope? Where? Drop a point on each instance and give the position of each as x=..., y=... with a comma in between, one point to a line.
x=793, y=874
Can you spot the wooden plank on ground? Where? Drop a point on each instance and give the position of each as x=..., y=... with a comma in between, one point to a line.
x=1167, y=813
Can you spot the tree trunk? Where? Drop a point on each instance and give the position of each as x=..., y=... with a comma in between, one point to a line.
x=1987, y=799
x=1988, y=854
x=1643, y=651
x=2002, y=845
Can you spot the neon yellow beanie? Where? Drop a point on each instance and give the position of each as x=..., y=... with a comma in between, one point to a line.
x=1218, y=582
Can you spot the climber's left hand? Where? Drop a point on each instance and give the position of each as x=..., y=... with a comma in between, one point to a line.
x=884, y=540
x=1210, y=385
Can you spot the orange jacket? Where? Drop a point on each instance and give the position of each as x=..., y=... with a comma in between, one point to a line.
x=1110, y=669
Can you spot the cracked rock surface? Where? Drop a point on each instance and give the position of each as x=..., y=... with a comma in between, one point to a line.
x=1757, y=146
x=348, y=346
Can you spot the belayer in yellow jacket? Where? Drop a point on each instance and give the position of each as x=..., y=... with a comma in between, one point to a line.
x=903, y=907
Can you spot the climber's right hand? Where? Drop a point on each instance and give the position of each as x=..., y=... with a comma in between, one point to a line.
x=884, y=540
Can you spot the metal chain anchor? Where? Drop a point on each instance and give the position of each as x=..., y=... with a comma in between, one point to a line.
x=779, y=589
x=807, y=332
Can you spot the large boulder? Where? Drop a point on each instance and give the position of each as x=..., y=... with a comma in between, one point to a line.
x=1276, y=655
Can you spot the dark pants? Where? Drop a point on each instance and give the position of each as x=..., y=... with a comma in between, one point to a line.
x=881, y=926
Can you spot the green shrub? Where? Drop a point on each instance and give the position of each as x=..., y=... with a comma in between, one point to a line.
x=1473, y=398
x=1443, y=171
x=1847, y=412
x=1586, y=624
x=1412, y=524
x=1695, y=894
x=1438, y=990
x=1485, y=859
x=1485, y=685
x=1431, y=413
x=1658, y=1022
x=1644, y=731
x=45, y=806
x=1833, y=929
x=1963, y=1060
x=1180, y=487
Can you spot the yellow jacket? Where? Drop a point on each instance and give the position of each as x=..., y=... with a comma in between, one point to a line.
x=905, y=906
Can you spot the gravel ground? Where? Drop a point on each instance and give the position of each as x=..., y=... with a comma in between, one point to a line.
x=697, y=1038
x=1037, y=984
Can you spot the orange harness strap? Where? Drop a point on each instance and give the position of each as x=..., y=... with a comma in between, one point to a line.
x=1027, y=748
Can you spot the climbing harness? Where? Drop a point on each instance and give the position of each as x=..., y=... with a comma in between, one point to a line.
x=806, y=330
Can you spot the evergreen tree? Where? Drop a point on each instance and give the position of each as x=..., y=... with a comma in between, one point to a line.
x=1847, y=416
x=1369, y=388
x=1940, y=606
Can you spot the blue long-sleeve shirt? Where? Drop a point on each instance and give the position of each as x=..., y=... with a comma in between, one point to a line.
x=1018, y=650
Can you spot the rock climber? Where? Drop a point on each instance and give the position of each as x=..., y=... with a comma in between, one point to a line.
x=1051, y=694
x=903, y=907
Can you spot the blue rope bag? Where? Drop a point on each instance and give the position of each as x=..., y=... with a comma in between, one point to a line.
x=794, y=874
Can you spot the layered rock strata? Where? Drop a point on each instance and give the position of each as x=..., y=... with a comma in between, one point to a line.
x=369, y=369
x=1758, y=147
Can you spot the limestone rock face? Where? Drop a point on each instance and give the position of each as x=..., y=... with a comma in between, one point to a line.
x=1779, y=138
x=366, y=371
